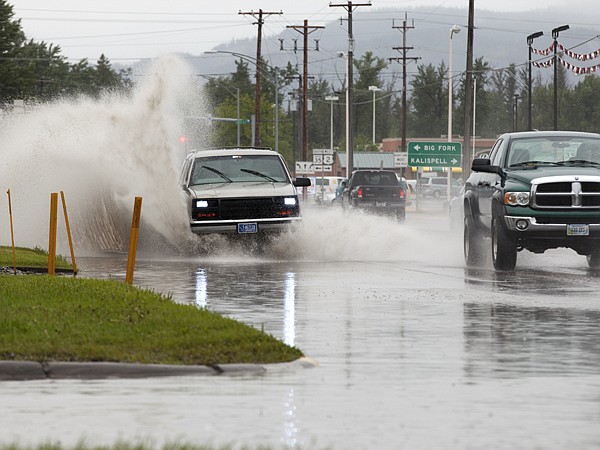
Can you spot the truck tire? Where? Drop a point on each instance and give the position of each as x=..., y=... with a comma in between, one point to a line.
x=593, y=259
x=400, y=215
x=504, y=246
x=436, y=194
x=473, y=246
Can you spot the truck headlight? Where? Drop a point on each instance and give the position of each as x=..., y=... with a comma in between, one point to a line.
x=201, y=204
x=289, y=201
x=516, y=198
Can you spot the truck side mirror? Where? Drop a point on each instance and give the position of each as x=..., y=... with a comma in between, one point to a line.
x=302, y=182
x=485, y=165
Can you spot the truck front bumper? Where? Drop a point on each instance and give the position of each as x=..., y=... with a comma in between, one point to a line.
x=533, y=226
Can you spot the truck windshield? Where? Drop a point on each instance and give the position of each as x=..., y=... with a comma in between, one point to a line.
x=553, y=150
x=238, y=169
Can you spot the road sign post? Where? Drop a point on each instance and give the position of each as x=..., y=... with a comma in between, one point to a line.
x=322, y=161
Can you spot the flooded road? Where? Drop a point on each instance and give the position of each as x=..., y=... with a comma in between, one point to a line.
x=415, y=351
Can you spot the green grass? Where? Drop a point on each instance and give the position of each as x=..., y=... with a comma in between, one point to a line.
x=46, y=318
x=30, y=258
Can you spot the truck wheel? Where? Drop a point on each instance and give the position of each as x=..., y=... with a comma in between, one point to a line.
x=400, y=215
x=344, y=201
x=472, y=244
x=436, y=194
x=593, y=259
x=504, y=247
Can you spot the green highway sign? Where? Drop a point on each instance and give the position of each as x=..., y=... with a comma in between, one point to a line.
x=434, y=154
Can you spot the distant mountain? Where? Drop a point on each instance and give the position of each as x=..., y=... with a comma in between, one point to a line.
x=500, y=38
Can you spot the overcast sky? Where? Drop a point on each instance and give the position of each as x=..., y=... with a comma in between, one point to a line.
x=134, y=29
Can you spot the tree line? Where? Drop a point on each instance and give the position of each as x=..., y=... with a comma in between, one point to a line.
x=37, y=71
x=501, y=104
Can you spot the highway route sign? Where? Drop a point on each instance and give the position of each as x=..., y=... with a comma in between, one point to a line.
x=322, y=151
x=401, y=159
x=322, y=159
x=434, y=154
x=304, y=167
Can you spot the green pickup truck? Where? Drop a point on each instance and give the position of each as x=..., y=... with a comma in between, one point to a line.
x=537, y=190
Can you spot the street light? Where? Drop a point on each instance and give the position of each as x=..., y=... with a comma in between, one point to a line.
x=530, y=39
x=253, y=60
x=374, y=89
x=349, y=152
x=331, y=98
x=516, y=113
x=237, y=97
x=555, y=33
x=454, y=30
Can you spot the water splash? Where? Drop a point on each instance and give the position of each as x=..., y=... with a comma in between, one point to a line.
x=102, y=153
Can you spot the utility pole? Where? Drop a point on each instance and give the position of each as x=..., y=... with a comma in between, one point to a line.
x=297, y=119
x=305, y=30
x=466, y=158
x=555, y=32
x=350, y=7
x=404, y=50
x=530, y=39
x=260, y=21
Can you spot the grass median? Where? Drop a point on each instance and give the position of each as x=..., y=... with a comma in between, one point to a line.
x=29, y=258
x=60, y=318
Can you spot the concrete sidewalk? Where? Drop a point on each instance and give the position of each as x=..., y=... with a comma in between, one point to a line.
x=55, y=370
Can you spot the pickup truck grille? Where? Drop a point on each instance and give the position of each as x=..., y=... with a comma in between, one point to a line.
x=255, y=208
x=244, y=208
x=566, y=192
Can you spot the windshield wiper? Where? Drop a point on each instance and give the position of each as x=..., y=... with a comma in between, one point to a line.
x=583, y=162
x=258, y=174
x=218, y=172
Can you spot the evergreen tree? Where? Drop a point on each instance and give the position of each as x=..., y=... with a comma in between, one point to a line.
x=369, y=68
x=37, y=70
x=429, y=101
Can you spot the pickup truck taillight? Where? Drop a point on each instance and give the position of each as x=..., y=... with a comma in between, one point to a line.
x=402, y=193
x=359, y=192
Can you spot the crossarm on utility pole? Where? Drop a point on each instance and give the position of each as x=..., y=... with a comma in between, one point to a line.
x=259, y=21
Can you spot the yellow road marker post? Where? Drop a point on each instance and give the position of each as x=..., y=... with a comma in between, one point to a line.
x=135, y=228
x=64, y=205
x=52, y=234
x=12, y=233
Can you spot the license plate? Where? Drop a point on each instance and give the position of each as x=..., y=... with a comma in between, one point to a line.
x=379, y=203
x=247, y=228
x=578, y=230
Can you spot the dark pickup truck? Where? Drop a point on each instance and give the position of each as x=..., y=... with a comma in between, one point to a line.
x=376, y=191
x=538, y=190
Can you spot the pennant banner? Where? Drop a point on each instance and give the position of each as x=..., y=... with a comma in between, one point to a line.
x=543, y=52
x=545, y=64
x=579, y=56
x=572, y=67
x=569, y=53
x=579, y=70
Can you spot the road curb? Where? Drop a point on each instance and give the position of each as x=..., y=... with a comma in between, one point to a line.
x=57, y=370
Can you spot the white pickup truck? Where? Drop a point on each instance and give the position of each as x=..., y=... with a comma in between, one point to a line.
x=240, y=190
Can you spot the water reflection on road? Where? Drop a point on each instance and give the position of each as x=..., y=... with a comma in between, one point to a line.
x=412, y=354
